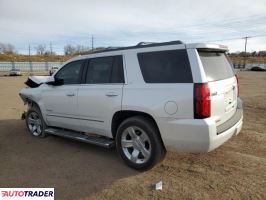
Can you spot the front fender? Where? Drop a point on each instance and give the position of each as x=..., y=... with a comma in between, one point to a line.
x=32, y=96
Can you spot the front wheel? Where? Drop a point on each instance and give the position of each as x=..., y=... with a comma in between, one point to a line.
x=138, y=143
x=35, y=123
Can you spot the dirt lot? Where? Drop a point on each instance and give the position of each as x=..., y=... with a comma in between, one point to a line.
x=237, y=170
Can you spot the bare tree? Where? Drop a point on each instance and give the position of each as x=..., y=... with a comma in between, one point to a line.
x=82, y=49
x=40, y=49
x=7, y=48
x=2, y=48
x=69, y=49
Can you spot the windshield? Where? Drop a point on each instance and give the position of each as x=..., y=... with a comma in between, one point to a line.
x=216, y=65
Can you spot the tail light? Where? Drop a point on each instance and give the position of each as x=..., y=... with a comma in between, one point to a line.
x=237, y=80
x=202, y=102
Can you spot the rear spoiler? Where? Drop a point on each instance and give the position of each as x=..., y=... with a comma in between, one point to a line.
x=212, y=47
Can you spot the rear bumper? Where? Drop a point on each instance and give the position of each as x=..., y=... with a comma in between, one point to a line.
x=218, y=140
x=199, y=135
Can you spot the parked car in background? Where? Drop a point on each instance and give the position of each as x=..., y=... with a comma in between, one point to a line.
x=143, y=99
x=258, y=68
x=53, y=70
x=15, y=72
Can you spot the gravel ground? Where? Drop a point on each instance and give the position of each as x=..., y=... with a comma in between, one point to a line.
x=236, y=170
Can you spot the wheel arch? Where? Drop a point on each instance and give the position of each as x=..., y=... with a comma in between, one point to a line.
x=122, y=115
x=32, y=103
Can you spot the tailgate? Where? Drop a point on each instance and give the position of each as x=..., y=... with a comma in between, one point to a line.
x=222, y=83
x=223, y=99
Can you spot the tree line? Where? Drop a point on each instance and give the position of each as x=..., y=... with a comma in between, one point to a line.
x=72, y=50
x=41, y=49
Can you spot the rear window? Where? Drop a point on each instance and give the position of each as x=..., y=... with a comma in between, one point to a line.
x=165, y=66
x=216, y=65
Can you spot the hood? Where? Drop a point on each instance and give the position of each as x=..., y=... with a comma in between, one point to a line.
x=36, y=81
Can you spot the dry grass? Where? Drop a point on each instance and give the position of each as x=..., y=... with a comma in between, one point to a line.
x=33, y=58
x=250, y=59
x=236, y=170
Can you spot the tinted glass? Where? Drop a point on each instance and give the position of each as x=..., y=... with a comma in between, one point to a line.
x=165, y=67
x=216, y=65
x=70, y=73
x=105, y=70
x=117, y=75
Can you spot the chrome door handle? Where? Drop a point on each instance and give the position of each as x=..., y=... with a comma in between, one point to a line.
x=70, y=94
x=111, y=94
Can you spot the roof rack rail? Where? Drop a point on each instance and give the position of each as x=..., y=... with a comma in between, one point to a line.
x=145, y=43
x=140, y=45
x=112, y=48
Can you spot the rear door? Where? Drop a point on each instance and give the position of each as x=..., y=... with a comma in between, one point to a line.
x=222, y=83
x=100, y=95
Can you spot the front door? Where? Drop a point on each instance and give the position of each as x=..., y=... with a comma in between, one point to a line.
x=60, y=102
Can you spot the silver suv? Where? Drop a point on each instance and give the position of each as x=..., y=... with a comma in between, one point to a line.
x=143, y=99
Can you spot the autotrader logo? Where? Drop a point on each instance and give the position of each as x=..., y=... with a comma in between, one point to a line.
x=27, y=193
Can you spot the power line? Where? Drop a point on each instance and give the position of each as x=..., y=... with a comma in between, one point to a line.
x=58, y=48
x=237, y=38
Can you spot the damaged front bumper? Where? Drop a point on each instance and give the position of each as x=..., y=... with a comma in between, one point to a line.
x=23, y=115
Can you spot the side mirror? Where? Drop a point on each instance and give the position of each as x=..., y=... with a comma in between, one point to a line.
x=56, y=82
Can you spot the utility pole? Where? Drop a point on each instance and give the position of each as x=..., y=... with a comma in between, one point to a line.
x=51, y=48
x=29, y=53
x=30, y=64
x=92, y=43
x=245, y=56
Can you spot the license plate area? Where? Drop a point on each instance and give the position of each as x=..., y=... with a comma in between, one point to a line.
x=229, y=100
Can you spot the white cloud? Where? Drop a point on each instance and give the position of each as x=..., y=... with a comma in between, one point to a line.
x=121, y=22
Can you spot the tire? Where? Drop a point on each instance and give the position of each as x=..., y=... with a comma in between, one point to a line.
x=138, y=143
x=35, y=123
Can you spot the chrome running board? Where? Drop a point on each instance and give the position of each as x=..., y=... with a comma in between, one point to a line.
x=91, y=139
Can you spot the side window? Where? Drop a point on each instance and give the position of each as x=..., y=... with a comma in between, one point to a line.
x=117, y=75
x=70, y=73
x=170, y=66
x=105, y=70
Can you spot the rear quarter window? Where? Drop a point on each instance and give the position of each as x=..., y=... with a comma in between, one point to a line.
x=165, y=66
x=216, y=65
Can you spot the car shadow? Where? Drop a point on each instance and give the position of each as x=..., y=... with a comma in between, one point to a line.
x=75, y=169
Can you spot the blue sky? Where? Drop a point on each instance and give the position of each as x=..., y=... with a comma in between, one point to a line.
x=122, y=22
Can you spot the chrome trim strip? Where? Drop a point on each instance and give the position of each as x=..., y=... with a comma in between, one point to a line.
x=94, y=120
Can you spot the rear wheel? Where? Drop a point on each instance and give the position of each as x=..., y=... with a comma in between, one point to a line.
x=138, y=143
x=35, y=123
